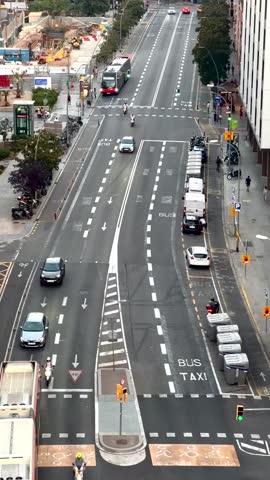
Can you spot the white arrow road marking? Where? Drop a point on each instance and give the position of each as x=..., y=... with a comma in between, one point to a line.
x=110, y=200
x=20, y=274
x=104, y=226
x=252, y=449
x=43, y=303
x=75, y=363
x=263, y=376
x=84, y=304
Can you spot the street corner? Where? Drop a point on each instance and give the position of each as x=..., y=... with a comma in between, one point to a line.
x=186, y=455
x=63, y=455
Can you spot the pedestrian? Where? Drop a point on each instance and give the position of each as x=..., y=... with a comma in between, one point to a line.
x=233, y=70
x=248, y=182
x=69, y=98
x=208, y=107
x=95, y=92
x=241, y=111
x=220, y=118
x=265, y=193
x=233, y=108
x=215, y=117
x=218, y=162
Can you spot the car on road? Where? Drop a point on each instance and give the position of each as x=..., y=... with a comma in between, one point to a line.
x=198, y=257
x=52, y=271
x=186, y=10
x=191, y=224
x=34, y=330
x=171, y=11
x=127, y=144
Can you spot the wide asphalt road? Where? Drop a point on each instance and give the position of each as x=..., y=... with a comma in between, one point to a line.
x=175, y=374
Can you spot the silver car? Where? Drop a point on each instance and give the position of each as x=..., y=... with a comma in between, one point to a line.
x=34, y=330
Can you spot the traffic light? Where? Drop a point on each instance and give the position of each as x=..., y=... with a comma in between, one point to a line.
x=266, y=311
x=119, y=392
x=125, y=394
x=239, y=416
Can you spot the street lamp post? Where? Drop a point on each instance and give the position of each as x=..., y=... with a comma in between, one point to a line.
x=68, y=96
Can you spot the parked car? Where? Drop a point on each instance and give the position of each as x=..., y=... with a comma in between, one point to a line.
x=52, y=271
x=198, y=257
x=34, y=330
x=191, y=224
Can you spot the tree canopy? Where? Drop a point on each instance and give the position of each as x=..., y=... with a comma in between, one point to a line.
x=213, y=48
x=36, y=157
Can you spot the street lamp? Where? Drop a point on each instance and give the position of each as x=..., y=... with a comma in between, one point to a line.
x=68, y=96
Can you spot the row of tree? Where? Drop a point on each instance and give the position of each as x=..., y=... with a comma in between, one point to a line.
x=37, y=156
x=70, y=7
x=213, y=48
x=128, y=15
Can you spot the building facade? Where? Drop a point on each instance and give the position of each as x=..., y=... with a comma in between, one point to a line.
x=255, y=75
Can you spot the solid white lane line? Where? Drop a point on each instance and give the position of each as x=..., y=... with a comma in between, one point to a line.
x=167, y=369
x=89, y=221
x=159, y=330
x=85, y=233
x=57, y=338
x=154, y=297
x=64, y=303
x=171, y=387
x=60, y=318
x=163, y=349
x=157, y=312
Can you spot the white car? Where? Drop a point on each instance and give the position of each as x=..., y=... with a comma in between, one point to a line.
x=171, y=11
x=198, y=257
x=127, y=144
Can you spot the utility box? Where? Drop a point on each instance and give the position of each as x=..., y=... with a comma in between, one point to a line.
x=213, y=320
x=236, y=368
x=226, y=349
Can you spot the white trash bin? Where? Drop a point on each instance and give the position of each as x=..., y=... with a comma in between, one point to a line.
x=225, y=349
x=236, y=367
x=213, y=320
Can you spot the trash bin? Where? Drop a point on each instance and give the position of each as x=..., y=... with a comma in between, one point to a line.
x=213, y=320
x=228, y=338
x=225, y=349
x=236, y=367
x=227, y=328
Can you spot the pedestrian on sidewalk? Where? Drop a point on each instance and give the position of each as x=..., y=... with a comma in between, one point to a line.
x=220, y=118
x=248, y=182
x=265, y=193
x=241, y=111
x=218, y=162
x=208, y=107
x=95, y=92
x=233, y=70
x=69, y=98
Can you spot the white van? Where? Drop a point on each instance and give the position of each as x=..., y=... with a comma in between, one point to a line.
x=194, y=204
x=195, y=185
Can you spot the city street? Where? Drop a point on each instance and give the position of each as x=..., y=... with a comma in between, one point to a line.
x=122, y=215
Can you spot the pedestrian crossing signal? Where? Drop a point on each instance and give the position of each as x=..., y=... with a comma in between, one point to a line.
x=266, y=311
x=125, y=394
x=228, y=136
x=246, y=259
x=119, y=392
x=239, y=413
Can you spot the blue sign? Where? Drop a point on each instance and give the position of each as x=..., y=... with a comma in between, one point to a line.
x=237, y=206
x=41, y=81
x=217, y=99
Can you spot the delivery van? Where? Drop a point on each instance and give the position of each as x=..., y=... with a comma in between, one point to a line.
x=194, y=204
x=195, y=185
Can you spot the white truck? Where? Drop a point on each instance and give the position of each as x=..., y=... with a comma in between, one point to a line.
x=194, y=204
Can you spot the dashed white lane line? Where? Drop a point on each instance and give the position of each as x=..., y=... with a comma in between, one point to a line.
x=85, y=233
x=97, y=199
x=104, y=180
x=154, y=297
x=159, y=330
x=63, y=435
x=89, y=221
x=148, y=228
x=100, y=189
x=221, y=435
x=170, y=434
x=60, y=318
x=57, y=338
x=204, y=435
x=151, y=206
x=157, y=312
x=163, y=349
x=149, y=267
x=187, y=434
x=80, y=435
x=148, y=253
x=107, y=171
x=93, y=209
x=151, y=434
x=171, y=387
x=46, y=435
x=64, y=302
x=148, y=240
x=167, y=369
x=149, y=218
x=54, y=359
x=67, y=395
x=151, y=281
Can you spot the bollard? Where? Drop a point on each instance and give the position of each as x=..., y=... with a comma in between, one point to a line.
x=55, y=216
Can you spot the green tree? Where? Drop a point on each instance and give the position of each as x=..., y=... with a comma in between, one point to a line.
x=54, y=7
x=93, y=8
x=18, y=79
x=213, y=48
x=5, y=94
x=39, y=94
x=36, y=157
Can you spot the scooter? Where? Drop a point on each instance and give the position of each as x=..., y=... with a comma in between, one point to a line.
x=125, y=109
x=78, y=472
x=18, y=213
x=233, y=174
x=48, y=374
x=132, y=121
x=212, y=307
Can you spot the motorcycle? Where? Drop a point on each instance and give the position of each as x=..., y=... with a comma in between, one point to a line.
x=233, y=174
x=132, y=121
x=48, y=373
x=29, y=201
x=78, y=471
x=212, y=307
x=18, y=213
x=125, y=109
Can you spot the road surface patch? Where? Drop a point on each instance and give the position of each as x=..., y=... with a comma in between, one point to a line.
x=168, y=455
x=63, y=455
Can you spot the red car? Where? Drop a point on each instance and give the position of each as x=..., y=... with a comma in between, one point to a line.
x=186, y=10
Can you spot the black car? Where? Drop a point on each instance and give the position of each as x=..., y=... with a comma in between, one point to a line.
x=52, y=271
x=191, y=224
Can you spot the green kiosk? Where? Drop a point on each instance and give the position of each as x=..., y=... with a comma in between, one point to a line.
x=23, y=117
